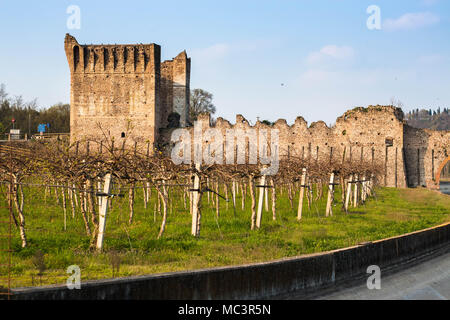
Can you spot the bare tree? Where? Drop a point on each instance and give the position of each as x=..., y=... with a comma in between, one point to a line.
x=3, y=93
x=201, y=102
x=396, y=102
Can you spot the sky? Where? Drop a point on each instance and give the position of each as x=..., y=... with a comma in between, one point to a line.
x=259, y=58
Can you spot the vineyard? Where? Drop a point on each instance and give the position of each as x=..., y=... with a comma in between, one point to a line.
x=120, y=210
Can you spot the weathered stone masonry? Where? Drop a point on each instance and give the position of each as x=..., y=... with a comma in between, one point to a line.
x=411, y=157
x=115, y=88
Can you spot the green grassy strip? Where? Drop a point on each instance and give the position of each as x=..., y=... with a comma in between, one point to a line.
x=227, y=241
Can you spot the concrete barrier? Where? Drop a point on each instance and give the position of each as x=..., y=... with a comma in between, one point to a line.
x=262, y=280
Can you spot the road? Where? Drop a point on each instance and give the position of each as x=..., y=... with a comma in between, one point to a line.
x=429, y=280
x=445, y=187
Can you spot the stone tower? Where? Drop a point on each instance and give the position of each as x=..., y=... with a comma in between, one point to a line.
x=119, y=91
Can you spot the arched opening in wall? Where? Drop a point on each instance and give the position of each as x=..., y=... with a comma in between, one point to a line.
x=443, y=176
x=76, y=57
x=389, y=142
x=122, y=135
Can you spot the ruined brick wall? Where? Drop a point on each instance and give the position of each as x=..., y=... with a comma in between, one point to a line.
x=120, y=90
x=376, y=133
x=175, y=88
x=426, y=151
x=181, y=86
x=377, y=130
x=166, y=91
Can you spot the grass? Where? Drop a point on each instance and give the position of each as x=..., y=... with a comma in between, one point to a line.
x=134, y=249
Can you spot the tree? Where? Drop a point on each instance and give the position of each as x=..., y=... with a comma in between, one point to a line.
x=3, y=93
x=28, y=116
x=201, y=102
x=58, y=116
x=438, y=119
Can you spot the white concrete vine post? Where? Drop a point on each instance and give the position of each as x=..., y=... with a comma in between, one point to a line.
x=103, y=211
x=349, y=192
x=262, y=188
x=329, y=210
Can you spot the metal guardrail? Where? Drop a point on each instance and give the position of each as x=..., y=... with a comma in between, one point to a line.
x=14, y=137
x=46, y=136
x=26, y=137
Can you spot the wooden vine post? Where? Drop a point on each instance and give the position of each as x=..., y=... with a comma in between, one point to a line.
x=164, y=197
x=301, y=196
x=363, y=189
x=63, y=192
x=355, y=192
x=233, y=195
x=252, y=195
x=217, y=203
x=196, y=198
x=274, y=200
x=266, y=199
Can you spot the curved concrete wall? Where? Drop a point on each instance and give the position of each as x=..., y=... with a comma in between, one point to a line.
x=258, y=281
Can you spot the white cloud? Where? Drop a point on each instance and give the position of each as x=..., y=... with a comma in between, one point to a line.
x=431, y=59
x=213, y=52
x=316, y=75
x=410, y=21
x=219, y=51
x=347, y=80
x=331, y=52
x=429, y=2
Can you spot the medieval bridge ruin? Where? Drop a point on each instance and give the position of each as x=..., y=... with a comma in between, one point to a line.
x=118, y=87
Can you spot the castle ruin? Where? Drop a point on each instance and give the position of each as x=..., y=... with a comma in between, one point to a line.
x=114, y=87
x=410, y=157
x=121, y=90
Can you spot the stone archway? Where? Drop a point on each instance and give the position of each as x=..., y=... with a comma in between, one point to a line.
x=441, y=167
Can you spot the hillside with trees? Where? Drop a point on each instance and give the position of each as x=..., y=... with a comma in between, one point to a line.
x=429, y=119
x=28, y=115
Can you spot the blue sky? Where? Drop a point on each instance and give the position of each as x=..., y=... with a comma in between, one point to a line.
x=267, y=59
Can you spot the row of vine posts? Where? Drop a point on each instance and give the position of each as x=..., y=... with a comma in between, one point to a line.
x=82, y=175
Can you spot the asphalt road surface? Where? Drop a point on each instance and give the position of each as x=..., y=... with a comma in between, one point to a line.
x=445, y=187
x=429, y=280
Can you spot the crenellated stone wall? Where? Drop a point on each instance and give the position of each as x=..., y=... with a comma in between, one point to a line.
x=376, y=133
x=125, y=92
x=120, y=91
